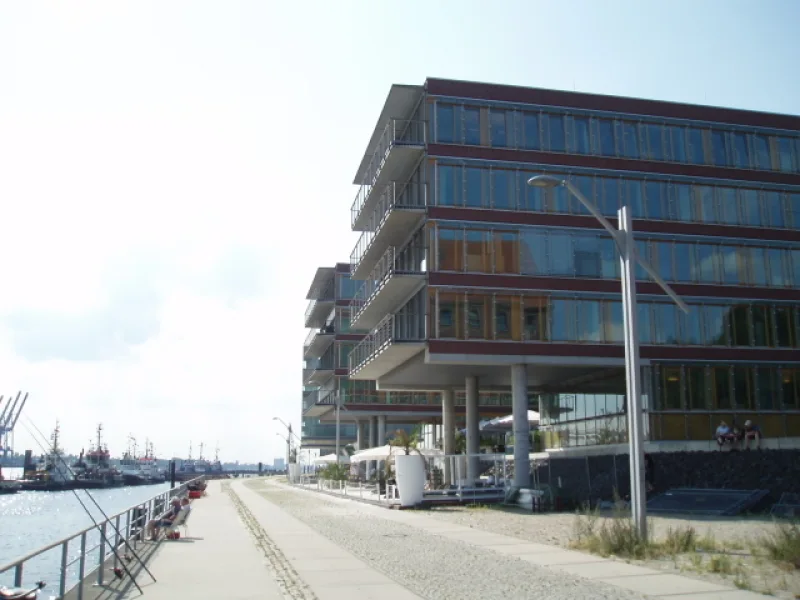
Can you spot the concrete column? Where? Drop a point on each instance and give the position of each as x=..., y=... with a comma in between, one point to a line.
x=373, y=441
x=381, y=430
x=522, y=428
x=363, y=435
x=473, y=433
x=448, y=431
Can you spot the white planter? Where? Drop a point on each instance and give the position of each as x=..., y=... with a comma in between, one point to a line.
x=410, y=474
x=294, y=472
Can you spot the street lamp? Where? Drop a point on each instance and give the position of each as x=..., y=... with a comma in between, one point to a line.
x=624, y=239
x=288, y=439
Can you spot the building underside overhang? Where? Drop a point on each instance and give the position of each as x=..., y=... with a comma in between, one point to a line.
x=401, y=414
x=433, y=372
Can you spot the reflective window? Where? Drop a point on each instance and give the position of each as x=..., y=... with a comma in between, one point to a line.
x=696, y=389
x=656, y=192
x=580, y=135
x=718, y=150
x=751, y=208
x=503, y=190
x=589, y=321
x=476, y=187
x=506, y=251
x=683, y=202
x=785, y=323
x=561, y=256
x=562, y=319
x=556, y=130
x=728, y=206
x=684, y=262
x=478, y=252
x=587, y=256
x=678, y=146
x=761, y=152
x=630, y=140
x=776, y=269
x=497, y=128
x=655, y=141
x=785, y=158
x=695, y=146
x=472, y=126
x=531, y=131
x=451, y=249
x=741, y=151
x=446, y=181
x=445, y=123
x=774, y=209
x=607, y=145
x=534, y=252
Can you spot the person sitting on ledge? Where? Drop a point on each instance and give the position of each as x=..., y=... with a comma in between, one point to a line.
x=752, y=432
x=725, y=435
x=166, y=520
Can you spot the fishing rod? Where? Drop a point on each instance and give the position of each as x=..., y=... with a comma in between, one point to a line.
x=94, y=521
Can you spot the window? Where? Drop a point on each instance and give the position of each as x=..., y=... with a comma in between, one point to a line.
x=785, y=158
x=728, y=206
x=790, y=396
x=531, y=198
x=507, y=318
x=535, y=318
x=666, y=323
x=655, y=141
x=716, y=330
x=684, y=262
x=777, y=277
x=587, y=256
x=633, y=197
x=476, y=188
x=645, y=324
x=751, y=208
x=506, y=251
x=730, y=265
x=671, y=388
x=445, y=123
x=762, y=325
x=451, y=315
x=503, y=190
x=563, y=320
x=741, y=152
x=761, y=152
x=785, y=326
x=656, y=192
x=722, y=387
x=691, y=331
x=451, y=249
x=531, y=131
x=739, y=317
x=613, y=331
x=705, y=269
x=347, y=287
x=589, y=324
x=696, y=391
x=718, y=154
x=479, y=257
x=477, y=316
x=607, y=147
x=557, y=136
x=497, y=123
x=774, y=211
x=533, y=248
x=610, y=196
x=743, y=388
x=695, y=149
x=561, y=258
x=446, y=180
x=472, y=126
x=758, y=260
x=704, y=205
x=630, y=140
x=678, y=147
x=580, y=135
x=683, y=202
x=609, y=258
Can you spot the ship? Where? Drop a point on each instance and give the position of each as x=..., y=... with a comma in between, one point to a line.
x=93, y=469
x=50, y=473
x=191, y=468
x=140, y=470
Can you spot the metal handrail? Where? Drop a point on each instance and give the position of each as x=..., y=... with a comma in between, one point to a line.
x=367, y=348
x=393, y=196
x=397, y=132
x=326, y=295
x=148, y=505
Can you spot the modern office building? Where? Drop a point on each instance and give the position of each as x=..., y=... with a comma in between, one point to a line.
x=473, y=280
x=367, y=417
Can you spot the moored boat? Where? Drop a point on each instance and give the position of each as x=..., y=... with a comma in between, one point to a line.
x=93, y=469
x=50, y=473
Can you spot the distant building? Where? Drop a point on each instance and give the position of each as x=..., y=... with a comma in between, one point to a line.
x=279, y=464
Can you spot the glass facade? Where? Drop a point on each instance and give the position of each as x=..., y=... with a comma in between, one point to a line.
x=615, y=136
x=476, y=314
x=565, y=252
x=503, y=186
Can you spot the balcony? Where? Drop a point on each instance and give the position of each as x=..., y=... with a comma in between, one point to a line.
x=383, y=350
x=318, y=340
x=394, y=279
x=398, y=212
x=317, y=371
x=398, y=151
x=319, y=308
x=316, y=406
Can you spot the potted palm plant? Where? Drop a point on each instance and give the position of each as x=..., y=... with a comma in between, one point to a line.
x=409, y=467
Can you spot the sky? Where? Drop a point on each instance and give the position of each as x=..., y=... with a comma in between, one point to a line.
x=172, y=174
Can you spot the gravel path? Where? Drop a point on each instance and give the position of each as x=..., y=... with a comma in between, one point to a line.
x=429, y=565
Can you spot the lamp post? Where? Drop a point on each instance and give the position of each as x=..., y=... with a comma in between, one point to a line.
x=288, y=439
x=338, y=408
x=624, y=239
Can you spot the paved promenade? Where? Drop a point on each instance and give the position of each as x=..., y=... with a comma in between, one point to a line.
x=258, y=539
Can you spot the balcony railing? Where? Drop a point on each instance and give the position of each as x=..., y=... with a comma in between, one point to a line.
x=327, y=330
x=394, y=196
x=393, y=262
x=396, y=133
x=326, y=296
x=387, y=332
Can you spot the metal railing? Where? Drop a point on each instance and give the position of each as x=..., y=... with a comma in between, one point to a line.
x=75, y=568
x=390, y=263
x=326, y=295
x=394, y=196
x=398, y=132
x=327, y=330
x=384, y=334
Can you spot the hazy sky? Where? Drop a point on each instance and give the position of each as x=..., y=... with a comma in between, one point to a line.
x=172, y=173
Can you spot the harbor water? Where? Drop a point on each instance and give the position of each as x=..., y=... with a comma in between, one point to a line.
x=31, y=520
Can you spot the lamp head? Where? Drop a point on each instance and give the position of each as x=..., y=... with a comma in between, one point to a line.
x=545, y=181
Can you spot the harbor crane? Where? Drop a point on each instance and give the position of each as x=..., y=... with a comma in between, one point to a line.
x=9, y=415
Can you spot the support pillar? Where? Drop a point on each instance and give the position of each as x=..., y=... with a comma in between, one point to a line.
x=381, y=430
x=448, y=432
x=522, y=427
x=363, y=435
x=373, y=439
x=473, y=433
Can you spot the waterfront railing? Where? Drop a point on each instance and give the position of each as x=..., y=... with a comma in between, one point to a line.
x=86, y=552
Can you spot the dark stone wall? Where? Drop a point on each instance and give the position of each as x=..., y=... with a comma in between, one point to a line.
x=595, y=478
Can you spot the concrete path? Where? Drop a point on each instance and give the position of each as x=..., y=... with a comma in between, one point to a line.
x=634, y=578
x=218, y=559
